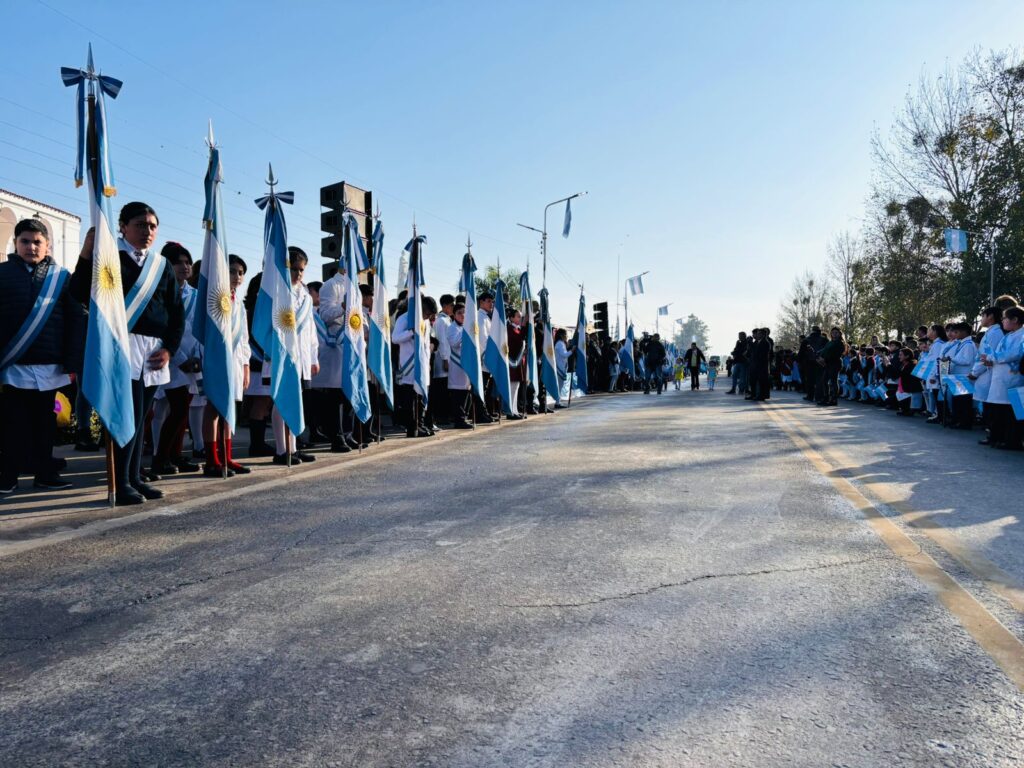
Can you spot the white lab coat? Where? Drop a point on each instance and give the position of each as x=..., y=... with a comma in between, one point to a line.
x=457, y=378
x=1005, y=372
x=989, y=342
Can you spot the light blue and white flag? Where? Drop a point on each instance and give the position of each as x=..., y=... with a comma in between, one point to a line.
x=1016, y=397
x=636, y=285
x=663, y=311
x=354, y=382
x=956, y=240
x=580, y=340
x=274, y=324
x=469, y=359
x=958, y=384
x=107, y=377
x=379, y=349
x=496, y=351
x=548, y=366
x=924, y=369
x=529, y=331
x=211, y=324
x=568, y=219
x=626, y=353
x=419, y=362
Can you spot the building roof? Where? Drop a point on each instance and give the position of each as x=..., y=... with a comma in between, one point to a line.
x=39, y=203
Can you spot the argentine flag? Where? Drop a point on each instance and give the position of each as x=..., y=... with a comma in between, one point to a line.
x=549, y=367
x=420, y=361
x=211, y=325
x=496, y=351
x=107, y=376
x=956, y=240
x=379, y=349
x=626, y=353
x=470, y=358
x=580, y=340
x=636, y=285
x=353, y=344
x=274, y=324
x=530, y=350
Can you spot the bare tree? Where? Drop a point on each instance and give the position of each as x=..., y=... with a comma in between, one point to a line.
x=846, y=270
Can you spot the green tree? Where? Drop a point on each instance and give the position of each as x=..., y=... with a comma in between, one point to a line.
x=693, y=329
x=488, y=277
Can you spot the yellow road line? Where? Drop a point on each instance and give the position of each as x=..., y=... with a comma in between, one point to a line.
x=995, y=578
x=996, y=640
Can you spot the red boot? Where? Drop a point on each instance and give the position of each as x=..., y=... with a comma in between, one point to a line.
x=233, y=465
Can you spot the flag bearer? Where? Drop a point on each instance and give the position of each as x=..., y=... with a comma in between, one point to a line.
x=156, y=322
x=458, y=381
x=42, y=332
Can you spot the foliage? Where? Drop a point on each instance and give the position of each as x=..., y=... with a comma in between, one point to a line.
x=693, y=329
x=488, y=276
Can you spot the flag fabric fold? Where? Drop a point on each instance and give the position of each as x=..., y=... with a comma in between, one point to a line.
x=354, y=382
x=568, y=219
x=626, y=353
x=275, y=325
x=469, y=360
x=106, y=377
x=419, y=363
x=211, y=323
x=636, y=285
x=548, y=364
x=378, y=351
x=580, y=342
x=496, y=349
x=529, y=330
x=663, y=311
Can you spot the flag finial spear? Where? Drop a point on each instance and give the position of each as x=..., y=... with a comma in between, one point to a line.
x=271, y=181
x=90, y=68
x=209, y=135
x=469, y=243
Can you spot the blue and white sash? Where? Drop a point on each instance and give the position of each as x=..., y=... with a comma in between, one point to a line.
x=330, y=339
x=190, y=303
x=40, y=313
x=140, y=294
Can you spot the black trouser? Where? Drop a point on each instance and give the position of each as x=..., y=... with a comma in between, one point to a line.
x=963, y=411
x=694, y=378
x=172, y=434
x=29, y=428
x=829, y=384
x=542, y=392
x=1004, y=425
x=128, y=458
x=437, y=413
x=410, y=404
x=458, y=405
x=810, y=378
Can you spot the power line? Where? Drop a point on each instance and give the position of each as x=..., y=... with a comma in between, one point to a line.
x=267, y=131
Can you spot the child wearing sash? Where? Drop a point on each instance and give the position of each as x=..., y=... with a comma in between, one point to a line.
x=156, y=322
x=42, y=335
x=458, y=382
x=336, y=413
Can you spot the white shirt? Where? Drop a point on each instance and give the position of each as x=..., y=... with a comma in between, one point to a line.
x=483, y=329
x=562, y=355
x=440, y=331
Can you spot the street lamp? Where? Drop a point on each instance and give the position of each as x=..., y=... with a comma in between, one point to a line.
x=544, y=235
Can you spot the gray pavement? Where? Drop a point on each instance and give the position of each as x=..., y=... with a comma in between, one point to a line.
x=645, y=580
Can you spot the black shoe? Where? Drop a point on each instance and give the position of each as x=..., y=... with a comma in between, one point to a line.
x=52, y=483
x=200, y=454
x=163, y=468
x=560, y=407
x=125, y=497
x=258, y=451
x=484, y=419
x=212, y=470
x=59, y=463
x=932, y=420
x=515, y=417
x=87, y=446
x=351, y=443
x=8, y=485
x=184, y=465
x=148, y=491
x=305, y=458
x=149, y=475
x=461, y=425
x=282, y=459
x=234, y=468
x=340, y=446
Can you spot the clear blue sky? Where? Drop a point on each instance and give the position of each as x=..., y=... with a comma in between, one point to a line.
x=721, y=143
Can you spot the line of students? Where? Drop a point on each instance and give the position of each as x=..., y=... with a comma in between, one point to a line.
x=42, y=333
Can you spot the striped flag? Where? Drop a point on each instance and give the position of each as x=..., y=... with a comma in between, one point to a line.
x=106, y=377
x=626, y=353
x=353, y=344
x=496, y=351
x=549, y=366
x=580, y=340
x=378, y=353
x=663, y=311
x=530, y=350
x=636, y=285
x=274, y=324
x=420, y=361
x=469, y=360
x=211, y=323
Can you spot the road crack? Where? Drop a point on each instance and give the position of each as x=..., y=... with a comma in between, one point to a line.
x=703, y=577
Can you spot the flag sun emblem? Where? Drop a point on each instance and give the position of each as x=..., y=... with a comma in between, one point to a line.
x=219, y=305
x=355, y=322
x=286, y=320
x=107, y=278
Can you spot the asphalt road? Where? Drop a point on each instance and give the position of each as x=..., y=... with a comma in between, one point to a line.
x=683, y=580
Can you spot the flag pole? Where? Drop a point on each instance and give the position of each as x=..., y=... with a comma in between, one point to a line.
x=111, y=493
x=223, y=447
x=288, y=445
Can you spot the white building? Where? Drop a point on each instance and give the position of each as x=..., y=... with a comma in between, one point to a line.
x=64, y=228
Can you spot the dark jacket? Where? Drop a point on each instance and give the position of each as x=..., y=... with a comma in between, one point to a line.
x=760, y=357
x=163, y=317
x=62, y=339
x=739, y=353
x=832, y=352
x=693, y=358
x=911, y=384
x=655, y=355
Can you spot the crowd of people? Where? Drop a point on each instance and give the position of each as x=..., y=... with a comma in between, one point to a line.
x=43, y=324
x=953, y=374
